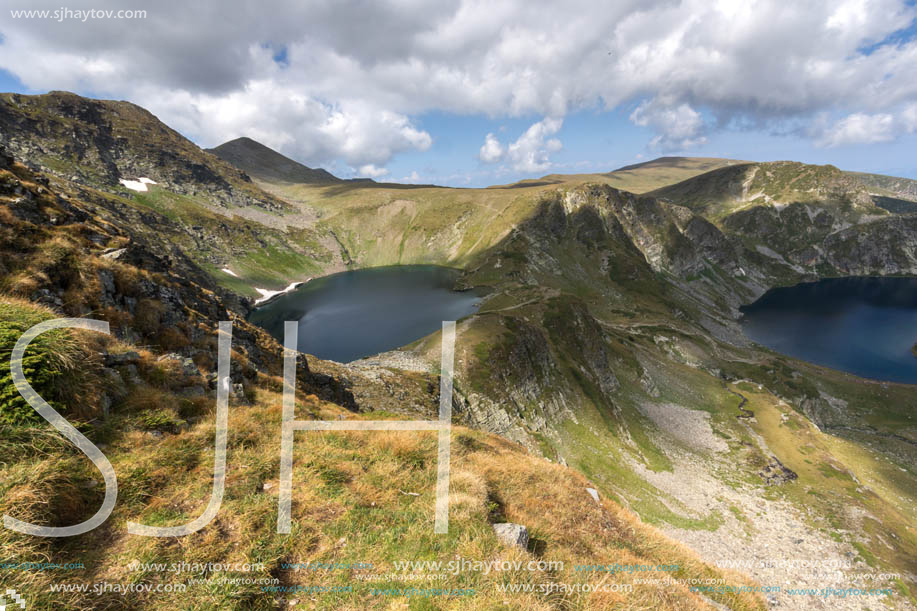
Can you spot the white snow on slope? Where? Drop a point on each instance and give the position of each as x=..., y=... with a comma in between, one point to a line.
x=137, y=185
x=266, y=294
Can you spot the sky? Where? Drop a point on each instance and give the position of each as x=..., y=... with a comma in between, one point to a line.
x=482, y=92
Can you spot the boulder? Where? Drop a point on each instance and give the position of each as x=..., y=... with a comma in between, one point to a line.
x=187, y=364
x=512, y=534
x=118, y=359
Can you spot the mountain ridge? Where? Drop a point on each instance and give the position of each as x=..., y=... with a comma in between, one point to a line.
x=610, y=327
x=101, y=142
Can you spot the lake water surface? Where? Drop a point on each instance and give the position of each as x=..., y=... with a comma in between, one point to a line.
x=359, y=313
x=865, y=326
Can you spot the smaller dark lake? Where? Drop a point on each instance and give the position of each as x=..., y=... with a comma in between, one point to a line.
x=346, y=316
x=864, y=326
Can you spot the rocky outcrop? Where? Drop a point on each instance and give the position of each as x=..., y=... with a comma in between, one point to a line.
x=886, y=246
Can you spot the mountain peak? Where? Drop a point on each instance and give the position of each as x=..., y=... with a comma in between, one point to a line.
x=266, y=164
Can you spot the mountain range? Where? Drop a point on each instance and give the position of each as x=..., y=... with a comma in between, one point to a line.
x=607, y=355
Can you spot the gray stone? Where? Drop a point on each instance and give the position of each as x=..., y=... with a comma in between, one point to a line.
x=593, y=493
x=115, y=254
x=133, y=376
x=512, y=534
x=121, y=358
x=238, y=393
x=187, y=364
x=107, y=280
x=193, y=391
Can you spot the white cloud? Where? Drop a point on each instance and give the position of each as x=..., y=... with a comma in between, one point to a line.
x=532, y=150
x=491, y=151
x=349, y=88
x=861, y=128
x=371, y=171
x=909, y=118
x=678, y=126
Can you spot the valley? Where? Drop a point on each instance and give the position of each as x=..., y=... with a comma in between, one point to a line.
x=606, y=353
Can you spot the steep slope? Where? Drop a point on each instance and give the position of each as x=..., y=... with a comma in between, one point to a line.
x=610, y=331
x=101, y=142
x=214, y=213
x=145, y=395
x=895, y=194
x=816, y=219
x=724, y=191
x=893, y=186
x=263, y=163
x=609, y=343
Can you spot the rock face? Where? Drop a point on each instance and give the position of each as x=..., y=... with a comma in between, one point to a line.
x=512, y=534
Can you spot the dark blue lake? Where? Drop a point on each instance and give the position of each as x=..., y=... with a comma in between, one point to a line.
x=865, y=326
x=346, y=316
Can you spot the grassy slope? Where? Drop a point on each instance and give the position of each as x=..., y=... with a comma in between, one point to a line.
x=350, y=505
x=640, y=177
x=718, y=193
x=347, y=502
x=391, y=224
x=260, y=256
x=637, y=310
x=891, y=186
x=385, y=224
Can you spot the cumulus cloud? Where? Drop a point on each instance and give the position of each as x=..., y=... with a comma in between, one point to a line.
x=531, y=152
x=371, y=171
x=351, y=89
x=491, y=151
x=678, y=126
x=862, y=128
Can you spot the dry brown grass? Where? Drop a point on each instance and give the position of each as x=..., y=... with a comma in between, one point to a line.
x=351, y=502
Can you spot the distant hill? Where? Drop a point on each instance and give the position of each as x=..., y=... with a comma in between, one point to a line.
x=895, y=194
x=721, y=192
x=266, y=164
x=640, y=177
x=649, y=175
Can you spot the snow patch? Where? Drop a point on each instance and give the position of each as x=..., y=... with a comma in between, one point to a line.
x=138, y=185
x=226, y=270
x=267, y=294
